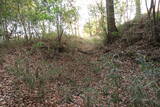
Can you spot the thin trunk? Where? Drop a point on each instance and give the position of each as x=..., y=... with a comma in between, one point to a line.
x=22, y=21
x=138, y=8
x=153, y=21
x=75, y=30
x=6, y=34
x=29, y=30
x=59, y=29
x=24, y=28
x=43, y=28
x=158, y=10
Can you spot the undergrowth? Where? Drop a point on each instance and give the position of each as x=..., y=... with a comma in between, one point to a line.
x=111, y=79
x=143, y=89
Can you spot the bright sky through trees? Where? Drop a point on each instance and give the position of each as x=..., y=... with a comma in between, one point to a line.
x=84, y=5
x=83, y=11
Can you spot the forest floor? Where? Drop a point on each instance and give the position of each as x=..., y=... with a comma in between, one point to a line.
x=35, y=75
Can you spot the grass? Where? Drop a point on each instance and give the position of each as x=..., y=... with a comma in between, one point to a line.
x=34, y=80
x=137, y=89
x=145, y=80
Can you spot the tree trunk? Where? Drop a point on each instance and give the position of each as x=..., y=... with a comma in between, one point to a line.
x=153, y=20
x=22, y=21
x=112, y=29
x=24, y=28
x=138, y=8
x=29, y=30
x=60, y=32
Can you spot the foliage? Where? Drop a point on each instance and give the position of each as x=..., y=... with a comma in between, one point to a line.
x=37, y=17
x=96, y=26
x=90, y=28
x=39, y=45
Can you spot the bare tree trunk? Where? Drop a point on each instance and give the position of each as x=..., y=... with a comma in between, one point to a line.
x=59, y=31
x=138, y=8
x=29, y=30
x=153, y=20
x=24, y=28
x=43, y=28
x=158, y=9
x=49, y=27
x=5, y=25
x=22, y=21
x=112, y=29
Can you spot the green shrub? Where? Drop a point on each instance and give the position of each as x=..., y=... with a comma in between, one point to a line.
x=39, y=45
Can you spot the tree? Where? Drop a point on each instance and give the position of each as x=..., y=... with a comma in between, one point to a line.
x=90, y=28
x=120, y=7
x=34, y=17
x=154, y=19
x=138, y=8
x=96, y=26
x=111, y=25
